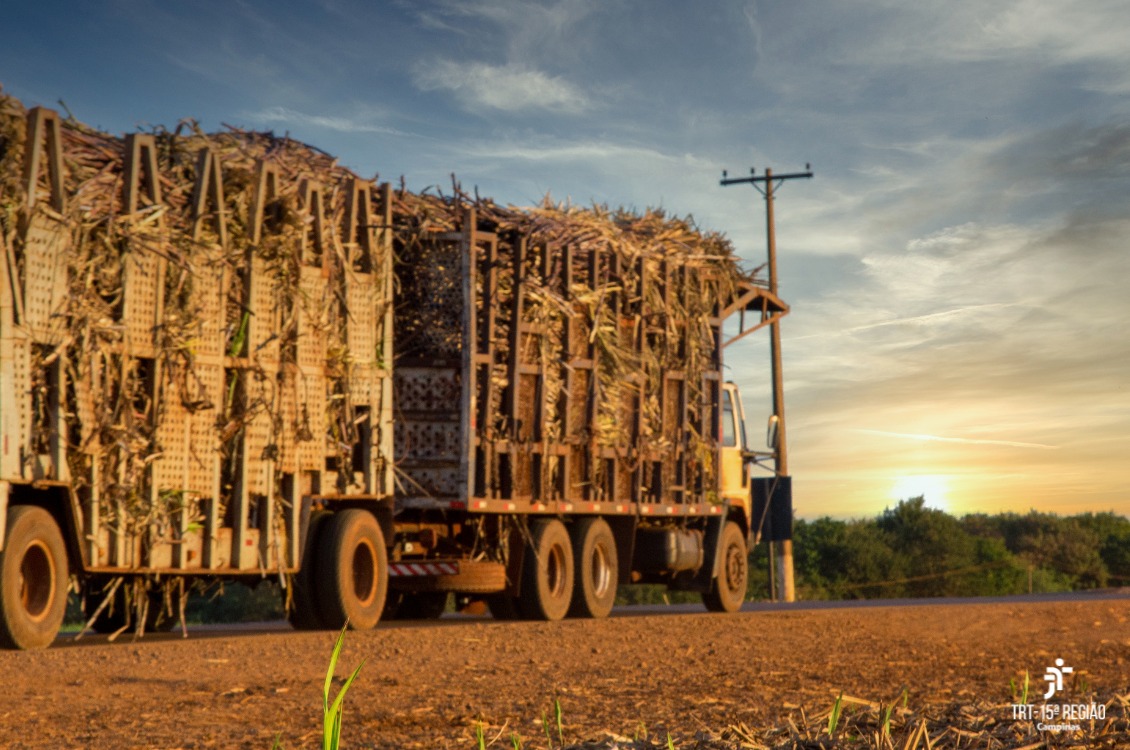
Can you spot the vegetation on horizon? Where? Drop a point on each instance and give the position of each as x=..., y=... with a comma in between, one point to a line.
x=912, y=550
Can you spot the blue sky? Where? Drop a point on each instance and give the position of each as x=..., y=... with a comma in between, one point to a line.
x=957, y=268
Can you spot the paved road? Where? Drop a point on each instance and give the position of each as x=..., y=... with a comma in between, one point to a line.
x=637, y=610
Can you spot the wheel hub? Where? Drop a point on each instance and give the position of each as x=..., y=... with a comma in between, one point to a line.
x=365, y=573
x=734, y=578
x=601, y=571
x=37, y=581
x=555, y=571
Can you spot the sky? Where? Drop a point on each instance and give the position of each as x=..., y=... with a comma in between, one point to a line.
x=957, y=269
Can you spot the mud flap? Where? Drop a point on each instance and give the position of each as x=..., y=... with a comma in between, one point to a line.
x=772, y=509
x=515, y=556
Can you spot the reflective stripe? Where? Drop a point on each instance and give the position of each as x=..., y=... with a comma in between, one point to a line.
x=406, y=570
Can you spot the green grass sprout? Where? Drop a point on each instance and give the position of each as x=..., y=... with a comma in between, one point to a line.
x=332, y=712
x=834, y=717
x=557, y=716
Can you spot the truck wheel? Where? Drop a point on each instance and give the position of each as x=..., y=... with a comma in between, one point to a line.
x=596, y=573
x=727, y=591
x=352, y=570
x=33, y=579
x=303, y=613
x=547, y=576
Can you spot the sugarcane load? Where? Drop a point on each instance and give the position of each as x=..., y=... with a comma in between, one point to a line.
x=225, y=356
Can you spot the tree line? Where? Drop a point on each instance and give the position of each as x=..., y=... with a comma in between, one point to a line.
x=912, y=550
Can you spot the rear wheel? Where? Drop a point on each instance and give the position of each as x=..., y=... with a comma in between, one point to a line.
x=33, y=579
x=727, y=591
x=352, y=571
x=547, y=574
x=303, y=612
x=596, y=573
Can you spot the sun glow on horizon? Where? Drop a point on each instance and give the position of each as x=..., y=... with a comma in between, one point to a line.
x=933, y=487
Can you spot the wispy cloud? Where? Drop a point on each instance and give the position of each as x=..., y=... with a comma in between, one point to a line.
x=526, y=32
x=509, y=88
x=593, y=151
x=962, y=441
x=340, y=124
x=912, y=320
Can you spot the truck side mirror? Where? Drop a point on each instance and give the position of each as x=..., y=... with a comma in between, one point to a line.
x=773, y=433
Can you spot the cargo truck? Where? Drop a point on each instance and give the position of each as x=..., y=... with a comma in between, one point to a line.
x=224, y=357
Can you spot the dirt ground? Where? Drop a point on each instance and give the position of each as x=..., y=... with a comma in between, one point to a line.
x=427, y=684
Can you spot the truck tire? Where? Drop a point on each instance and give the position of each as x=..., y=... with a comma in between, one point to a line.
x=727, y=591
x=33, y=579
x=547, y=575
x=303, y=612
x=352, y=571
x=596, y=572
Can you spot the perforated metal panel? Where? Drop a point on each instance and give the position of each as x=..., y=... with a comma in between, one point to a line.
x=258, y=435
x=21, y=377
x=311, y=420
x=427, y=433
x=208, y=300
x=362, y=385
x=84, y=406
x=141, y=295
x=288, y=413
x=45, y=278
x=263, y=325
x=171, y=471
x=202, y=433
x=434, y=482
x=428, y=441
x=361, y=328
x=311, y=321
x=427, y=389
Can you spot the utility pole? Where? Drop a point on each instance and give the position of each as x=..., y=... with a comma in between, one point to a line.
x=783, y=585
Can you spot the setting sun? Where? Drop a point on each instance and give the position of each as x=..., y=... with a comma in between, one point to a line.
x=933, y=487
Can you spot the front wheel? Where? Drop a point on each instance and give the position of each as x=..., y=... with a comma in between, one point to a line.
x=727, y=591
x=33, y=579
x=352, y=570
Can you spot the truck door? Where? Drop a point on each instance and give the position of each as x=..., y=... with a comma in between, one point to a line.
x=735, y=476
